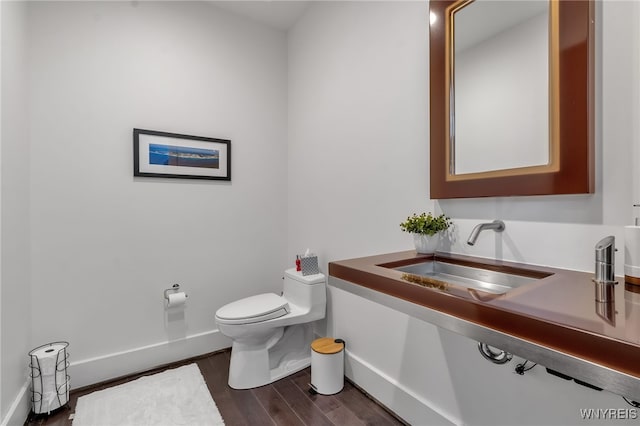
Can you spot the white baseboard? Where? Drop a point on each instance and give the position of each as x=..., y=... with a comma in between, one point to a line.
x=410, y=407
x=20, y=408
x=98, y=369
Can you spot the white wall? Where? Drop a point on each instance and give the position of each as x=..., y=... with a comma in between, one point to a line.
x=350, y=161
x=358, y=127
x=105, y=244
x=358, y=84
x=15, y=296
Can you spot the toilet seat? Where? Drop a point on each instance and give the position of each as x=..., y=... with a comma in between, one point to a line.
x=261, y=307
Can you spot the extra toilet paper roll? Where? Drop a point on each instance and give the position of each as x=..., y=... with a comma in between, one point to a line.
x=632, y=254
x=50, y=385
x=176, y=299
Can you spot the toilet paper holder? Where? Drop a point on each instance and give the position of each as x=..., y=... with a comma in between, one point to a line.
x=50, y=395
x=174, y=288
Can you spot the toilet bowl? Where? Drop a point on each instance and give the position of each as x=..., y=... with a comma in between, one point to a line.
x=272, y=334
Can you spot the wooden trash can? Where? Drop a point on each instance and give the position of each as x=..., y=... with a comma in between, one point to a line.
x=327, y=365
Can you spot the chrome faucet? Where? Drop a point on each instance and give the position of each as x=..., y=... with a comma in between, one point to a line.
x=496, y=225
x=605, y=260
x=605, y=269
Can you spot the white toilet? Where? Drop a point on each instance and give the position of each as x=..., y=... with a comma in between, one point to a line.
x=272, y=334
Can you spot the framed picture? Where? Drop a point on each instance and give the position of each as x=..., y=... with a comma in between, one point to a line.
x=171, y=155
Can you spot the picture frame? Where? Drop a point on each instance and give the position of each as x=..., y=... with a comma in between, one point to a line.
x=173, y=155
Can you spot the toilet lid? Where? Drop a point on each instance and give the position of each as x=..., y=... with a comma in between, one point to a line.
x=252, y=309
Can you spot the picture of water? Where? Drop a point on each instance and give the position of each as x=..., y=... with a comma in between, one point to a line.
x=169, y=155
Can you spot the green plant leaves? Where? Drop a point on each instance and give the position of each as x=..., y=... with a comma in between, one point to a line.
x=425, y=224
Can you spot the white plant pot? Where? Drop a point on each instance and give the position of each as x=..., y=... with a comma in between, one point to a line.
x=426, y=244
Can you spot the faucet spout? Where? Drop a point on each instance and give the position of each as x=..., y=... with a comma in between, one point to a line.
x=496, y=225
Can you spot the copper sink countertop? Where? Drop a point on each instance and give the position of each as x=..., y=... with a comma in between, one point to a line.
x=557, y=311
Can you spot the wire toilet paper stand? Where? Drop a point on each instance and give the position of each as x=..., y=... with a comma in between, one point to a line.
x=49, y=378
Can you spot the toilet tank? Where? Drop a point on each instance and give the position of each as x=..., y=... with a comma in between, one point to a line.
x=305, y=291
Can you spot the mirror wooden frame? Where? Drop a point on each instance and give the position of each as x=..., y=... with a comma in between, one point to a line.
x=573, y=161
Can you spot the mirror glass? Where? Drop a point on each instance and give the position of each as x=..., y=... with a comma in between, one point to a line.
x=499, y=86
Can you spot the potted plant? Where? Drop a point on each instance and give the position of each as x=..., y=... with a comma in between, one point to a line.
x=426, y=230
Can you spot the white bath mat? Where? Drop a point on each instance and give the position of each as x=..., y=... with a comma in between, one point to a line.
x=173, y=397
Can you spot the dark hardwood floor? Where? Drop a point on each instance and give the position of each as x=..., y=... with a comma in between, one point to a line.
x=285, y=402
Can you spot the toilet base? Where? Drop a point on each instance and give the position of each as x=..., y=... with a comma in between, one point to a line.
x=281, y=354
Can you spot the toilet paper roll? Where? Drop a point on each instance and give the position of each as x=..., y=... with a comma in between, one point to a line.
x=632, y=251
x=176, y=299
x=47, y=357
x=50, y=385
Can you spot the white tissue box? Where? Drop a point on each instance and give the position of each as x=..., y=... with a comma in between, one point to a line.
x=309, y=265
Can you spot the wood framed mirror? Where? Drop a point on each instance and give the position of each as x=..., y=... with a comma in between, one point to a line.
x=486, y=137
